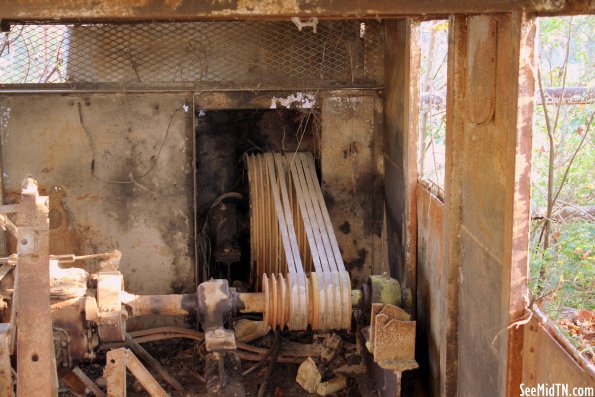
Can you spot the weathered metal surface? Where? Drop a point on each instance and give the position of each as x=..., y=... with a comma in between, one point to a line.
x=149, y=219
x=214, y=310
x=111, y=319
x=449, y=340
x=516, y=244
x=250, y=302
x=163, y=305
x=117, y=361
x=223, y=374
x=400, y=152
x=230, y=9
x=115, y=372
x=384, y=289
x=6, y=386
x=481, y=69
x=351, y=166
x=219, y=100
x=36, y=365
x=154, y=364
x=312, y=307
x=392, y=341
x=73, y=341
x=430, y=289
x=74, y=383
x=88, y=382
x=487, y=205
x=547, y=358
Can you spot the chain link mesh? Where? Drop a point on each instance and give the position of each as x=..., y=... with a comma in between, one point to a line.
x=225, y=54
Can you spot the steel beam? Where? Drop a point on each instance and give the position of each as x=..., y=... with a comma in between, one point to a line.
x=183, y=10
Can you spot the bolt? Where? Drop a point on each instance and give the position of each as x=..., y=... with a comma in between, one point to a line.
x=24, y=241
x=63, y=343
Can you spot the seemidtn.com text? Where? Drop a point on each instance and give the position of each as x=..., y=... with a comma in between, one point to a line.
x=556, y=390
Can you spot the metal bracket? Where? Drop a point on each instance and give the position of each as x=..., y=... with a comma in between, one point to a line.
x=111, y=324
x=392, y=339
x=214, y=309
x=118, y=361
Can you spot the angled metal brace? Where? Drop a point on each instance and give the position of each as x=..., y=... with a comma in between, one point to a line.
x=118, y=360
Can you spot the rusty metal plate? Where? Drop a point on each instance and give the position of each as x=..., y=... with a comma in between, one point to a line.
x=36, y=366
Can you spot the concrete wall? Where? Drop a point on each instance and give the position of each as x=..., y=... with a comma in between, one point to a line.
x=87, y=172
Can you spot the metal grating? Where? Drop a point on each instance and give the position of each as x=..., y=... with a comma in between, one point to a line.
x=220, y=54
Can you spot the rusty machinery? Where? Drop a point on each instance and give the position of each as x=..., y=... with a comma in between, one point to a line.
x=55, y=317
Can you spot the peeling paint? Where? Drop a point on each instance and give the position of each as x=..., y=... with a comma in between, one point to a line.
x=303, y=100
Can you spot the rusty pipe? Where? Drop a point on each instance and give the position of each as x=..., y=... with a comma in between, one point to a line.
x=186, y=304
x=163, y=305
x=250, y=302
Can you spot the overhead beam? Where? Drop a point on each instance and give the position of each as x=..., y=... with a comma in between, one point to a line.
x=94, y=10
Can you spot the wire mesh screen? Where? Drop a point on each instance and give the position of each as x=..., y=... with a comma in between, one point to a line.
x=230, y=53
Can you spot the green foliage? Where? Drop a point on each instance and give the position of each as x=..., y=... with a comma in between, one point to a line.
x=570, y=268
x=568, y=264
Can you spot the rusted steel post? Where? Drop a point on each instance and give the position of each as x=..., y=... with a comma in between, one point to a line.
x=36, y=365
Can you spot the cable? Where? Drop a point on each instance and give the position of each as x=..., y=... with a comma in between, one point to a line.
x=266, y=356
x=275, y=353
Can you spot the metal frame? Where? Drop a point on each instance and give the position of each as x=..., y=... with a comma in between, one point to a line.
x=115, y=10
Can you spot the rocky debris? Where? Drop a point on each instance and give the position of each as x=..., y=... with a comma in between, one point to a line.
x=309, y=377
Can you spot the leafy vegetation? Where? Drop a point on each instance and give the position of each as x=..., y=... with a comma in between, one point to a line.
x=562, y=263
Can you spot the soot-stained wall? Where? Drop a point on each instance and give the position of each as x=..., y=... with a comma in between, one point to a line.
x=119, y=176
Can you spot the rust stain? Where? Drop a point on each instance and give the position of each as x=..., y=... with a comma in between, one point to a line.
x=88, y=196
x=188, y=9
